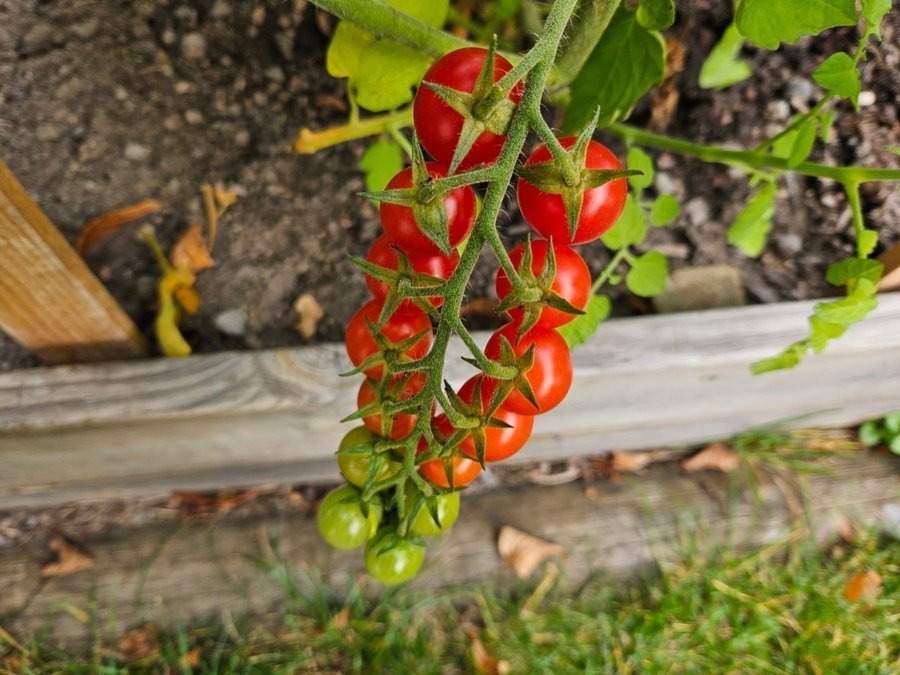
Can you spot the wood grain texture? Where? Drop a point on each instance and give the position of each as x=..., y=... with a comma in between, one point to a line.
x=50, y=301
x=145, y=428
x=194, y=570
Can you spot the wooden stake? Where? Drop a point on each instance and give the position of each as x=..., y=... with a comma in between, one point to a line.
x=50, y=301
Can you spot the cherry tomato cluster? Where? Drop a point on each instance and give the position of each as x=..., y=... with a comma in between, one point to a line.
x=404, y=473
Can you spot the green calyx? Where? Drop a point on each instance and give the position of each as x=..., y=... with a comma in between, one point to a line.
x=565, y=174
x=486, y=108
x=537, y=292
x=404, y=283
x=389, y=354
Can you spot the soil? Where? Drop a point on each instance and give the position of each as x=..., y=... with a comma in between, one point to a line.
x=105, y=103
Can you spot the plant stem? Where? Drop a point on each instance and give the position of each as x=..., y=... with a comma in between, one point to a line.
x=610, y=269
x=309, y=142
x=712, y=153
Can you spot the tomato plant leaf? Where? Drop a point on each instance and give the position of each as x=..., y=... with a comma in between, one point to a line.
x=635, y=55
x=664, y=210
x=584, y=326
x=630, y=228
x=380, y=162
x=873, y=12
x=656, y=14
x=387, y=73
x=648, y=274
x=768, y=23
x=838, y=75
x=821, y=331
x=639, y=160
x=867, y=241
x=847, y=310
x=751, y=227
x=844, y=272
x=869, y=433
x=789, y=358
x=803, y=143
x=722, y=68
x=347, y=45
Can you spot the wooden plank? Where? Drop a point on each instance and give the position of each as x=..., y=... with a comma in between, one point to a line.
x=50, y=301
x=183, y=572
x=145, y=428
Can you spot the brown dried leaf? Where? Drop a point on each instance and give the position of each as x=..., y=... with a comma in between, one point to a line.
x=861, y=585
x=479, y=307
x=309, y=313
x=140, y=643
x=69, y=559
x=191, y=659
x=634, y=462
x=715, y=456
x=341, y=620
x=485, y=662
x=524, y=552
x=191, y=252
x=191, y=503
x=188, y=299
x=104, y=225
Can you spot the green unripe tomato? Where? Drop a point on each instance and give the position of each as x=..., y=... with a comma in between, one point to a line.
x=341, y=520
x=423, y=524
x=394, y=566
x=355, y=468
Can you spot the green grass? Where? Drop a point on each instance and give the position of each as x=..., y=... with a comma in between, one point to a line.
x=776, y=610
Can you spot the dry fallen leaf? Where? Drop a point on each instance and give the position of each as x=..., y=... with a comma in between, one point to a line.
x=309, y=313
x=861, y=585
x=140, y=643
x=191, y=659
x=485, y=662
x=104, y=225
x=665, y=99
x=191, y=251
x=198, y=502
x=715, y=456
x=341, y=620
x=69, y=559
x=634, y=462
x=524, y=552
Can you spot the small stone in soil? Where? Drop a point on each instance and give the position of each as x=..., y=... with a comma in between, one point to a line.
x=705, y=287
x=231, y=322
x=193, y=47
x=136, y=152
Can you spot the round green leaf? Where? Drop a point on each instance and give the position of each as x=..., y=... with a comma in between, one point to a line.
x=664, y=210
x=648, y=274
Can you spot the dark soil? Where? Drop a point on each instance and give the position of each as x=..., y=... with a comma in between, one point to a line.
x=104, y=103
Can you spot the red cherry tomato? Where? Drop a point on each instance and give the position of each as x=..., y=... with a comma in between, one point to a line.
x=572, y=281
x=400, y=224
x=383, y=254
x=407, y=321
x=464, y=470
x=500, y=443
x=550, y=376
x=600, y=207
x=438, y=126
x=402, y=423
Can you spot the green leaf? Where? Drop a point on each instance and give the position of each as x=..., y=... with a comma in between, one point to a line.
x=847, y=310
x=803, y=143
x=585, y=325
x=789, y=358
x=387, y=73
x=626, y=62
x=722, y=67
x=346, y=47
x=783, y=146
x=640, y=161
x=433, y=12
x=892, y=423
x=630, y=228
x=825, y=122
x=656, y=14
x=838, y=75
x=648, y=274
x=894, y=445
x=843, y=272
x=380, y=162
x=821, y=332
x=867, y=241
x=869, y=433
x=751, y=227
x=664, y=210
x=873, y=12
x=767, y=23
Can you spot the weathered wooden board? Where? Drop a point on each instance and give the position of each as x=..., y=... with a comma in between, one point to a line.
x=50, y=301
x=185, y=572
x=144, y=428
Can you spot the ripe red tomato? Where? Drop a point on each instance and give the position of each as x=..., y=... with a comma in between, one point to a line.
x=407, y=321
x=400, y=224
x=438, y=126
x=402, y=423
x=383, y=254
x=550, y=376
x=600, y=207
x=572, y=281
x=464, y=470
x=500, y=443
